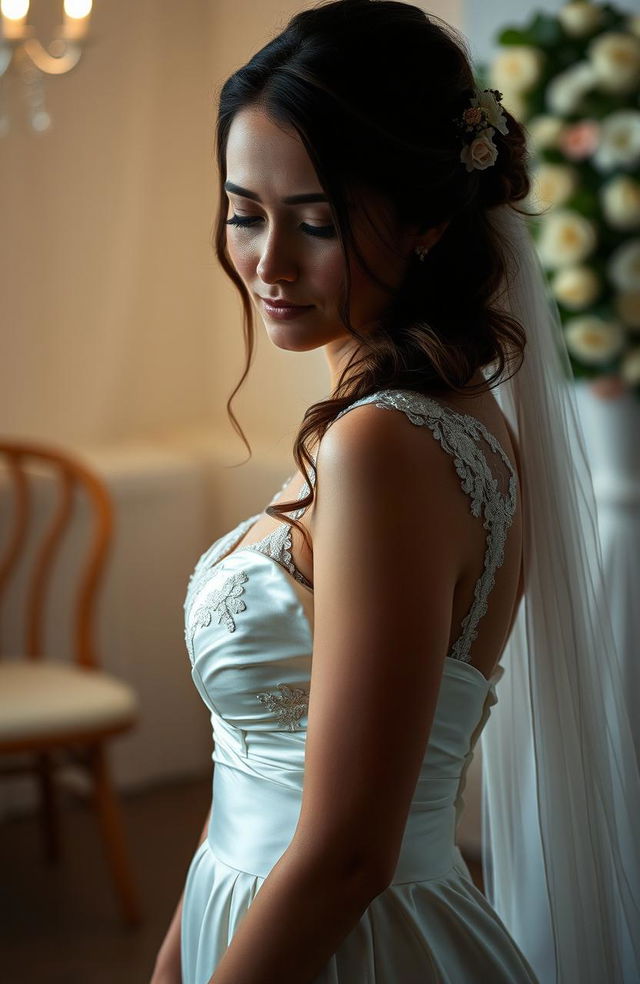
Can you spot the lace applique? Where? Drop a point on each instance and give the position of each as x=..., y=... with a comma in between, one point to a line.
x=208, y=560
x=277, y=545
x=224, y=603
x=289, y=705
x=459, y=433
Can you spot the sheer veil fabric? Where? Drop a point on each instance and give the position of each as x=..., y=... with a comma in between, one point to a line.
x=561, y=785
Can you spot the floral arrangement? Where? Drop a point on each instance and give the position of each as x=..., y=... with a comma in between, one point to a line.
x=478, y=124
x=573, y=81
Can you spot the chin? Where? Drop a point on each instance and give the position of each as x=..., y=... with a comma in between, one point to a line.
x=285, y=336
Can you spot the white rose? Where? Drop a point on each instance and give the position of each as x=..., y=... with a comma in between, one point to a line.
x=566, y=238
x=627, y=305
x=615, y=57
x=579, y=19
x=576, y=287
x=565, y=91
x=593, y=340
x=544, y=130
x=624, y=266
x=552, y=185
x=630, y=366
x=619, y=141
x=516, y=68
x=481, y=152
x=621, y=203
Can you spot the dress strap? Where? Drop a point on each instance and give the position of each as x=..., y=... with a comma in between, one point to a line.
x=277, y=543
x=464, y=438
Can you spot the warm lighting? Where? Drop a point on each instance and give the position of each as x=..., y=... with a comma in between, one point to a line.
x=33, y=60
x=14, y=19
x=77, y=8
x=76, y=18
x=14, y=9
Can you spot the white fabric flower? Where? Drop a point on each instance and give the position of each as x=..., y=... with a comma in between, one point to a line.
x=615, y=57
x=630, y=366
x=493, y=109
x=579, y=18
x=481, y=152
x=593, y=340
x=566, y=239
x=619, y=141
x=543, y=131
x=627, y=305
x=623, y=268
x=565, y=91
x=621, y=203
x=552, y=185
x=576, y=287
x=516, y=68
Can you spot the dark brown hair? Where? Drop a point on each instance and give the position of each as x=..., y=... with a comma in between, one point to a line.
x=373, y=89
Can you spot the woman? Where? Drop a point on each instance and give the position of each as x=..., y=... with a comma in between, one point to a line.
x=365, y=189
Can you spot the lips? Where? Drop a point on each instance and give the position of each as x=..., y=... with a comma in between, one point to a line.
x=281, y=310
x=283, y=303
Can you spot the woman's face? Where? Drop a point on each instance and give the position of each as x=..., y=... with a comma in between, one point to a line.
x=286, y=247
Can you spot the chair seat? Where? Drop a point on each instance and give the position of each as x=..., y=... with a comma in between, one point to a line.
x=39, y=699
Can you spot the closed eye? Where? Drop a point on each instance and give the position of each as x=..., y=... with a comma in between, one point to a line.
x=244, y=221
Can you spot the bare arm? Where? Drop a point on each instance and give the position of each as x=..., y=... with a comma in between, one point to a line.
x=168, y=968
x=384, y=572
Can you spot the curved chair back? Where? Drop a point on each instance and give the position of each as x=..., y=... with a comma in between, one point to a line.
x=71, y=475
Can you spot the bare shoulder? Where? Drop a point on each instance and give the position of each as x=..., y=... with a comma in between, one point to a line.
x=374, y=462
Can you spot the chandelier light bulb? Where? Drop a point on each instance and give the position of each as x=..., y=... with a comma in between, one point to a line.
x=14, y=9
x=77, y=8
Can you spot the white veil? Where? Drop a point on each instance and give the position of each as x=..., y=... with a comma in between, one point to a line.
x=561, y=787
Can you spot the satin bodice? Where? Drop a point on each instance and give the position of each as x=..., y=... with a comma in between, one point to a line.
x=252, y=669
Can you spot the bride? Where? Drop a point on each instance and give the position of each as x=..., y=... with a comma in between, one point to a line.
x=434, y=551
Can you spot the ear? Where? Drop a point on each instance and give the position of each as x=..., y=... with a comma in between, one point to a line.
x=431, y=236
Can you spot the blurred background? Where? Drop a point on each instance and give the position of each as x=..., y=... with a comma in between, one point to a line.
x=121, y=342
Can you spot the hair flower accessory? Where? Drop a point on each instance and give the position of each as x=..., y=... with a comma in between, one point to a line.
x=477, y=126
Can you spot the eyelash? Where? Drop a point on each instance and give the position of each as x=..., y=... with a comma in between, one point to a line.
x=321, y=232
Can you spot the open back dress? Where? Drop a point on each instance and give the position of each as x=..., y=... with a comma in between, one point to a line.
x=249, y=636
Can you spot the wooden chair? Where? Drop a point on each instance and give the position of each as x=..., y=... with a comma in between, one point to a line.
x=63, y=708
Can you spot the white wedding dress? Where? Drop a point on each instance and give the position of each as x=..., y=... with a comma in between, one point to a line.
x=249, y=635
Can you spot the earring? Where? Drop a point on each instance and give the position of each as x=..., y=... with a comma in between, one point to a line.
x=421, y=252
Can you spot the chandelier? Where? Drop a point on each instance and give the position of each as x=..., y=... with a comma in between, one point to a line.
x=32, y=60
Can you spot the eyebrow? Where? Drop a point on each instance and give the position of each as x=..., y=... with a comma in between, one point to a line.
x=313, y=196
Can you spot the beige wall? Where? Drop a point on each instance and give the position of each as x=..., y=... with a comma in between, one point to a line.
x=116, y=322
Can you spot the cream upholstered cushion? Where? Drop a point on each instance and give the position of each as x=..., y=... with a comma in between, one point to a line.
x=45, y=698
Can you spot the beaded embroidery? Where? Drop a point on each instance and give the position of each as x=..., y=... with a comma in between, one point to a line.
x=289, y=705
x=458, y=434
x=277, y=545
x=202, y=571
x=224, y=602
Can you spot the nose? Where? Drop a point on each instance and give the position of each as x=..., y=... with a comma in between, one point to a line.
x=277, y=260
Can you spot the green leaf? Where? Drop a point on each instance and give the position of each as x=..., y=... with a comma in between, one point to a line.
x=585, y=202
x=545, y=30
x=513, y=35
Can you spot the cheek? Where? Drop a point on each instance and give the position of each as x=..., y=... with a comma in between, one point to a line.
x=242, y=257
x=327, y=273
